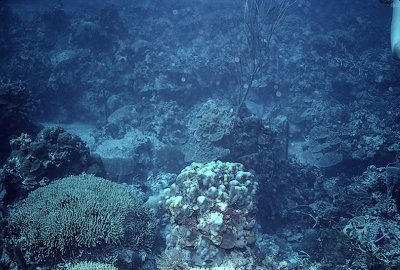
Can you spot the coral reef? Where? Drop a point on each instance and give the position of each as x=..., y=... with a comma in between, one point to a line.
x=255, y=145
x=158, y=84
x=212, y=210
x=377, y=236
x=16, y=103
x=210, y=122
x=171, y=259
x=81, y=213
x=322, y=148
x=92, y=266
x=52, y=154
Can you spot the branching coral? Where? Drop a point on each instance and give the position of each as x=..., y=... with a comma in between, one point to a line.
x=171, y=259
x=82, y=212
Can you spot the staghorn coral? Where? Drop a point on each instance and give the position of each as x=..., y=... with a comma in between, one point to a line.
x=82, y=212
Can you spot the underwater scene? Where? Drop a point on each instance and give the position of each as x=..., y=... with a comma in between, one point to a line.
x=200, y=134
